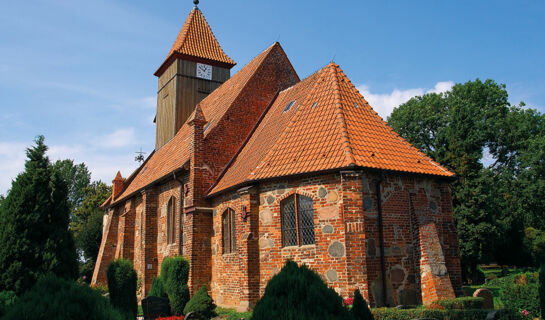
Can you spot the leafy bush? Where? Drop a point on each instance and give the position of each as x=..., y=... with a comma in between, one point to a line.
x=542, y=288
x=231, y=314
x=7, y=299
x=174, y=275
x=202, y=304
x=460, y=303
x=157, y=289
x=522, y=293
x=299, y=293
x=409, y=314
x=122, y=286
x=56, y=298
x=360, y=310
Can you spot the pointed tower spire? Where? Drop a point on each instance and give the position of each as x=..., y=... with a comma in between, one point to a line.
x=196, y=42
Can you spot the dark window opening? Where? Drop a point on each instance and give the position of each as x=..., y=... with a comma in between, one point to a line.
x=297, y=215
x=228, y=231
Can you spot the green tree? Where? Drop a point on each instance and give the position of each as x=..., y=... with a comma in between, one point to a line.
x=34, y=235
x=360, y=309
x=86, y=225
x=496, y=151
x=122, y=286
x=201, y=304
x=77, y=177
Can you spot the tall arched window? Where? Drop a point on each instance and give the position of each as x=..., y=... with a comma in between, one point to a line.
x=228, y=231
x=297, y=216
x=171, y=220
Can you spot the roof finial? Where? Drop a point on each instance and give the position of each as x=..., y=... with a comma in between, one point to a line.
x=196, y=3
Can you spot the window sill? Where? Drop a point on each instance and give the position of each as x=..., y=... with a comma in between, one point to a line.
x=306, y=246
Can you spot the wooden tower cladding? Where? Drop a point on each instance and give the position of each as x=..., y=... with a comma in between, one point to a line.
x=195, y=66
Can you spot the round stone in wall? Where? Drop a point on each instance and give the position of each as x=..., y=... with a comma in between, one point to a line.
x=322, y=192
x=368, y=203
x=265, y=216
x=332, y=275
x=270, y=199
x=327, y=228
x=332, y=196
x=336, y=249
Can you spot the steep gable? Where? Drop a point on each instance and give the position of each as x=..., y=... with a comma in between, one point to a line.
x=233, y=103
x=197, y=40
x=330, y=126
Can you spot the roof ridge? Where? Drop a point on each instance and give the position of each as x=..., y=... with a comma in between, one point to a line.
x=341, y=117
x=266, y=53
x=290, y=124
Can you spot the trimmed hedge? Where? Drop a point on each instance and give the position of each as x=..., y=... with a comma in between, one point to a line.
x=299, y=293
x=201, y=304
x=55, y=298
x=460, y=303
x=174, y=275
x=157, y=289
x=122, y=286
x=410, y=314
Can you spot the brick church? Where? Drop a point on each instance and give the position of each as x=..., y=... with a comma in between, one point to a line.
x=254, y=169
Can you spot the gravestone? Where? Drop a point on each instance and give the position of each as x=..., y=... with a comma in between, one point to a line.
x=154, y=307
x=488, y=301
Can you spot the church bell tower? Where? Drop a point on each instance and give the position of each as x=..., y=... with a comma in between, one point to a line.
x=195, y=66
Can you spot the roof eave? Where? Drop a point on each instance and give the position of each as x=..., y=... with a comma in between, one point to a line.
x=177, y=55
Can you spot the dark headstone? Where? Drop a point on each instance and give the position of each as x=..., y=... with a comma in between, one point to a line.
x=433, y=206
x=154, y=307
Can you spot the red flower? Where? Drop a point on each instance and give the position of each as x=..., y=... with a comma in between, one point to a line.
x=171, y=318
x=348, y=301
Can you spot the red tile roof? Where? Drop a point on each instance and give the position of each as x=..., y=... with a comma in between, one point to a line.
x=196, y=39
x=175, y=153
x=329, y=126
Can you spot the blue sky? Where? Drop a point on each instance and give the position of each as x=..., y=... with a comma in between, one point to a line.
x=81, y=72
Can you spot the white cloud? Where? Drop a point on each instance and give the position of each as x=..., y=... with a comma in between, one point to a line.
x=120, y=138
x=12, y=161
x=384, y=103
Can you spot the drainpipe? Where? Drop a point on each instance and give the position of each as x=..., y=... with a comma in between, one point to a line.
x=381, y=236
x=180, y=224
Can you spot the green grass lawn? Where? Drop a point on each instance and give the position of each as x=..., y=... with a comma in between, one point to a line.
x=231, y=314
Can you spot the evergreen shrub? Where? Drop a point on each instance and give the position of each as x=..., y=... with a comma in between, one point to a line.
x=522, y=293
x=360, y=309
x=7, y=299
x=422, y=313
x=542, y=288
x=122, y=286
x=157, y=289
x=174, y=275
x=54, y=298
x=299, y=293
x=201, y=304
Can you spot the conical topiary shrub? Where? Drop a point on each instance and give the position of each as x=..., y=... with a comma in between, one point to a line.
x=201, y=304
x=122, y=286
x=174, y=275
x=299, y=293
x=360, y=309
x=157, y=289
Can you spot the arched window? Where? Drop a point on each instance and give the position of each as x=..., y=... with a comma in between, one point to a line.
x=297, y=220
x=228, y=231
x=171, y=220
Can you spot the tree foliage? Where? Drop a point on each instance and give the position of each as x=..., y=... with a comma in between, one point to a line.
x=77, y=177
x=497, y=152
x=360, y=309
x=34, y=217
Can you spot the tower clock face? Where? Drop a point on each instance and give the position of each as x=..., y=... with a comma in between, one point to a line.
x=204, y=71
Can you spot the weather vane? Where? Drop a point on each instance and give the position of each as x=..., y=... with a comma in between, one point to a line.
x=196, y=2
x=140, y=154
